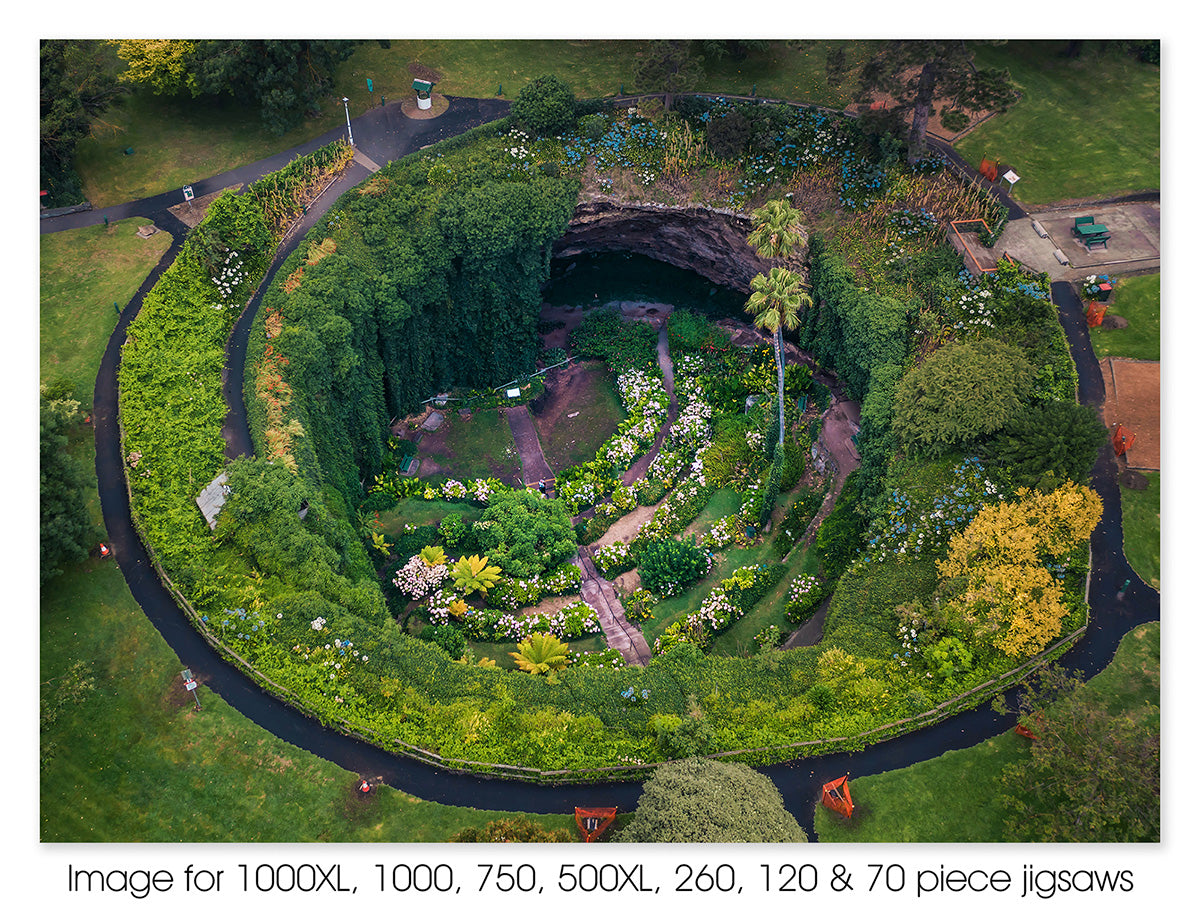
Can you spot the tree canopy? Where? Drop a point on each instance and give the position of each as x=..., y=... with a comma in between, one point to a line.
x=963, y=391
x=1052, y=443
x=915, y=73
x=285, y=79
x=77, y=84
x=1009, y=597
x=668, y=67
x=546, y=106
x=701, y=800
x=66, y=527
x=526, y=534
x=1092, y=774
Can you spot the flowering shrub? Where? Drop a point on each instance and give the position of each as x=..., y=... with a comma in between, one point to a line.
x=515, y=593
x=669, y=565
x=613, y=559
x=907, y=532
x=418, y=579
x=725, y=604
x=229, y=276
x=802, y=597
x=725, y=531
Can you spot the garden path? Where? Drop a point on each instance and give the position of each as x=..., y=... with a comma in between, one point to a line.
x=637, y=471
x=534, y=467
x=621, y=634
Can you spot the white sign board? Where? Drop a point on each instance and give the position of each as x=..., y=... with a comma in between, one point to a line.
x=514, y=392
x=1010, y=177
x=188, y=194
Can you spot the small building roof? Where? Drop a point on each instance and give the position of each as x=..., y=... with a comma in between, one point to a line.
x=212, y=499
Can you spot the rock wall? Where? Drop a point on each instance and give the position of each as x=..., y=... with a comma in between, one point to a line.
x=712, y=243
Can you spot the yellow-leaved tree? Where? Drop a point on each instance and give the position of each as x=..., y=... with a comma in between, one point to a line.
x=1008, y=595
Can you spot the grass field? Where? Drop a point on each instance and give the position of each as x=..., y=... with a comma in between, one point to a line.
x=1139, y=300
x=124, y=756
x=1085, y=127
x=83, y=273
x=175, y=143
x=1142, y=525
x=952, y=798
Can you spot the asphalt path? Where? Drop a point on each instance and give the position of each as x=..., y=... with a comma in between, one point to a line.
x=384, y=135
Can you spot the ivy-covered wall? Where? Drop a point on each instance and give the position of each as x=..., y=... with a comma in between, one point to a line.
x=426, y=277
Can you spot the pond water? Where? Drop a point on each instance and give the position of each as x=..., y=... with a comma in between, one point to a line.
x=606, y=277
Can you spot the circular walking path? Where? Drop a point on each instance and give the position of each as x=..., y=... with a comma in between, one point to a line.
x=384, y=135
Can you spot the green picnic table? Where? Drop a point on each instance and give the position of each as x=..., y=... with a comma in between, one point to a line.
x=1091, y=229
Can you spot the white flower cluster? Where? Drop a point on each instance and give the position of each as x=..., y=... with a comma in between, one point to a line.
x=418, y=579
x=611, y=557
x=975, y=310
x=667, y=518
x=801, y=585
x=722, y=533
x=229, y=276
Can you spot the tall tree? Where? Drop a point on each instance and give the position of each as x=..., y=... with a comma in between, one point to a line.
x=777, y=231
x=915, y=73
x=1092, y=774
x=66, y=528
x=285, y=79
x=1000, y=589
x=776, y=300
x=668, y=67
x=77, y=84
x=963, y=391
x=1049, y=444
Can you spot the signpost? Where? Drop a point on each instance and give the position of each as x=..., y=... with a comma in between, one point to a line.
x=1011, y=178
x=188, y=194
x=190, y=684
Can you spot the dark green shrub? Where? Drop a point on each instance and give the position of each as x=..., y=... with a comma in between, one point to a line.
x=954, y=120
x=729, y=136
x=649, y=493
x=546, y=106
x=840, y=538
x=669, y=565
x=451, y=529
x=526, y=534
x=593, y=126
x=821, y=697
x=446, y=637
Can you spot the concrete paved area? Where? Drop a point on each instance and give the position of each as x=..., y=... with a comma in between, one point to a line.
x=1134, y=246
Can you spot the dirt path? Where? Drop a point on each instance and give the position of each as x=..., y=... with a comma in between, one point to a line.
x=637, y=471
x=534, y=467
x=836, y=456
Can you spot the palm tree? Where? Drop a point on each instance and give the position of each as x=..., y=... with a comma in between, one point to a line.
x=775, y=303
x=541, y=653
x=777, y=229
x=776, y=233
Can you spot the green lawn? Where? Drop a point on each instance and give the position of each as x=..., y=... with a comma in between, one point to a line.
x=1083, y=128
x=175, y=143
x=1142, y=525
x=470, y=448
x=83, y=273
x=125, y=756
x=1139, y=300
x=952, y=798
x=597, y=409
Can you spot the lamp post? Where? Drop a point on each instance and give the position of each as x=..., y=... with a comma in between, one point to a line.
x=346, y=103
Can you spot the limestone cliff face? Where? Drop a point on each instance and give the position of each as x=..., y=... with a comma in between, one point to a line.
x=712, y=243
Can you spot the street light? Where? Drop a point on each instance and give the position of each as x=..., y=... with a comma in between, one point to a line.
x=346, y=103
